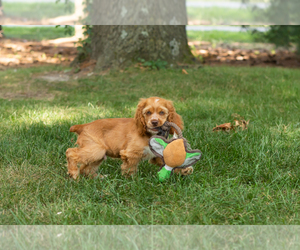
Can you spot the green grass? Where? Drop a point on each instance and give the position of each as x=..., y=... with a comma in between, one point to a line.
x=215, y=37
x=247, y=177
x=44, y=33
x=37, y=33
x=211, y=1
x=221, y=15
x=223, y=36
x=238, y=1
x=37, y=11
x=215, y=15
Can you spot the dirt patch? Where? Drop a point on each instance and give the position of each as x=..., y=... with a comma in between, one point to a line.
x=55, y=78
x=240, y=54
x=21, y=53
x=16, y=53
x=27, y=95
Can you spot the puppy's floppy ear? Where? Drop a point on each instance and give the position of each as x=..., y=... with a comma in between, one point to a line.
x=139, y=118
x=174, y=117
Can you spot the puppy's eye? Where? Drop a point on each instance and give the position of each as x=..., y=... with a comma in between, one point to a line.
x=148, y=113
x=161, y=112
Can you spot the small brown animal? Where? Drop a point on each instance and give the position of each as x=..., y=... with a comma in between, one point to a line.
x=125, y=138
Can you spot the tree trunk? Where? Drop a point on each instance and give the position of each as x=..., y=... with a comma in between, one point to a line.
x=128, y=30
x=138, y=12
x=118, y=46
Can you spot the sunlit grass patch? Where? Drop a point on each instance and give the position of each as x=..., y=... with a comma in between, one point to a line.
x=244, y=177
x=216, y=36
x=38, y=10
x=37, y=33
x=221, y=15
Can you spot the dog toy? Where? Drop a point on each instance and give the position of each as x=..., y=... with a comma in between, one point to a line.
x=175, y=153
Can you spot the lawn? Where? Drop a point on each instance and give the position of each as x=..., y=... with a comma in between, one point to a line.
x=37, y=11
x=52, y=32
x=221, y=15
x=38, y=33
x=217, y=36
x=245, y=177
x=214, y=15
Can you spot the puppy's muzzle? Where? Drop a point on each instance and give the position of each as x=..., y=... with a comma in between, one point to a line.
x=154, y=123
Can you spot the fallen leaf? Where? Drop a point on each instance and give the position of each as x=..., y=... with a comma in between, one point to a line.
x=203, y=51
x=7, y=61
x=232, y=126
x=184, y=72
x=87, y=64
x=223, y=127
x=236, y=122
x=241, y=124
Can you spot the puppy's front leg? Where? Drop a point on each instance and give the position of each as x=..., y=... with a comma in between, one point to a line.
x=184, y=171
x=72, y=158
x=130, y=162
x=156, y=161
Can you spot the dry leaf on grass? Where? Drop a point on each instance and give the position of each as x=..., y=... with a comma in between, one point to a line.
x=184, y=72
x=86, y=64
x=223, y=127
x=232, y=126
x=241, y=124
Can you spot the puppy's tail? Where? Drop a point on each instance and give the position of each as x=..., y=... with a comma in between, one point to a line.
x=77, y=129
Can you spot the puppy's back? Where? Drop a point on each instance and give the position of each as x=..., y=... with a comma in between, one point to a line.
x=106, y=124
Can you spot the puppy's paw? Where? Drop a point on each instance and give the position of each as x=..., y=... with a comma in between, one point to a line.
x=73, y=175
x=156, y=161
x=184, y=171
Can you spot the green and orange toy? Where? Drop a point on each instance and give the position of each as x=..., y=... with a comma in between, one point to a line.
x=175, y=152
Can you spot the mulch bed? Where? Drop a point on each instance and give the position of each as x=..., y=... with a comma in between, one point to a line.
x=18, y=53
x=237, y=56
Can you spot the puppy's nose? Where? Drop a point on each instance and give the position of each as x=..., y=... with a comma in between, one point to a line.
x=154, y=123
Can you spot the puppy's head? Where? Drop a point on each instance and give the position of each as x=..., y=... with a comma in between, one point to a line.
x=153, y=112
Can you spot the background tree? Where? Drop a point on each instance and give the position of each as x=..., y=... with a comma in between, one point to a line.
x=130, y=33
x=284, y=35
x=285, y=16
x=119, y=46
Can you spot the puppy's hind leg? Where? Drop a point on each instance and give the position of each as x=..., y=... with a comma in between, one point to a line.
x=91, y=169
x=89, y=159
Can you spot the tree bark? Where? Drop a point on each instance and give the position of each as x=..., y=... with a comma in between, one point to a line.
x=118, y=46
x=138, y=12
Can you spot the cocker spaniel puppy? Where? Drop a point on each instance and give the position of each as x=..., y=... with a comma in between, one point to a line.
x=125, y=138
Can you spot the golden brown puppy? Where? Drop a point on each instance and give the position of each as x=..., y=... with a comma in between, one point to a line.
x=125, y=138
